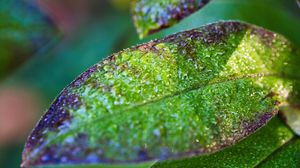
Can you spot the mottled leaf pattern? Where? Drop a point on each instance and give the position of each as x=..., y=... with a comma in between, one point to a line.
x=152, y=15
x=188, y=94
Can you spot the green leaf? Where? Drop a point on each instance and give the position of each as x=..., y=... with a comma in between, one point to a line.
x=188, y=94
x=152, y=15
x=287, y=156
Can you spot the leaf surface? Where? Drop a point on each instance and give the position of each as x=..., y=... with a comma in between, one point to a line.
x=188, y=94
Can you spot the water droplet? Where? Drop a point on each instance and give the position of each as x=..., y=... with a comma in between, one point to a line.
x=158, y=77
x=156, y=132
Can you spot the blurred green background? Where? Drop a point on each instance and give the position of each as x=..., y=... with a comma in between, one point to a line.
x=45, y=44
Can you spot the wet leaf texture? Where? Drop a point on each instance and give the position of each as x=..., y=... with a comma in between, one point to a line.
x=152, y=15
x=190, y=93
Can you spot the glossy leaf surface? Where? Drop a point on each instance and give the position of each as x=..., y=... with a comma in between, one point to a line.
x=152, y=15
x=191, y=93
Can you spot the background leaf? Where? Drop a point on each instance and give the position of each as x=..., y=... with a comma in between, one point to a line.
x=23, y=29
x=287, y=156
x=151, y=16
